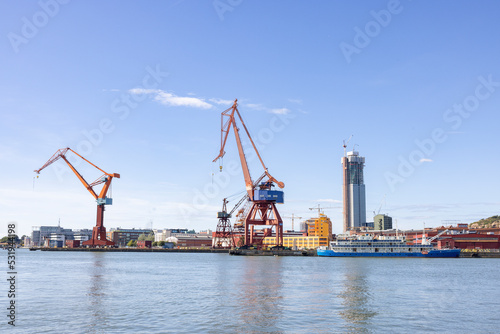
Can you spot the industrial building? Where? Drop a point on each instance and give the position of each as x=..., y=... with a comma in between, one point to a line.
x=382, y=222
x=194, y=240
x=319, y=233
x=52, y=236
x=469, y=241
x=302, y=242
x=164, y=234
x=319, y=227
x=121, y=237
x=353, y=191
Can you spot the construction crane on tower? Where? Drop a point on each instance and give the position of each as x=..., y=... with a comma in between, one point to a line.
x=320, y=209
x=99, y=231
x=344, y=145
x=293, y=216
x=262, y=199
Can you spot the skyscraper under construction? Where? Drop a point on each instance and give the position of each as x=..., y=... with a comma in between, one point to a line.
x=353, y=191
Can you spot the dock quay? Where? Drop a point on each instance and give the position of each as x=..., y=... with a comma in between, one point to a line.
x=241, y=252
x=257, y=252
x=479, y=254
x=140, y=250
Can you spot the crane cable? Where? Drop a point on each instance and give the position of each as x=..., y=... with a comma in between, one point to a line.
x=234, y=195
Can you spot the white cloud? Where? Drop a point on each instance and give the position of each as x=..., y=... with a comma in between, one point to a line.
x=221, y=101
x=298, y=101
x=280, y=111
x=111, y=90
x=255, y=106
x=425, y=160
x=138, y=91
x=170, y=99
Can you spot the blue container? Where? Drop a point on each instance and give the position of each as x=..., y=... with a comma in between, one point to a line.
x=269, y=195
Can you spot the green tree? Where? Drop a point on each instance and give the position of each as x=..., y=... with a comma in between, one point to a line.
x=132, y=243
x=6, y=239
x=149, y=237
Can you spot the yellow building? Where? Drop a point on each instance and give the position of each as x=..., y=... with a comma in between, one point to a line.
x=319, y=234
x=320, y=227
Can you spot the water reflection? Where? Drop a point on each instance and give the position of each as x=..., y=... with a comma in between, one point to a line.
x=261, y=295
x=96, y=293
x=356, y=297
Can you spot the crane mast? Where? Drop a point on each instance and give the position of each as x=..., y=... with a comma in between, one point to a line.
x=263, y=210
x=99, y=231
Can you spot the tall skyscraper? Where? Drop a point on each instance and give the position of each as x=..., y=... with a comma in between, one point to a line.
x=353, y=191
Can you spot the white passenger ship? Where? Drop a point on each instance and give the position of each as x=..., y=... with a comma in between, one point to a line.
x=382, y=246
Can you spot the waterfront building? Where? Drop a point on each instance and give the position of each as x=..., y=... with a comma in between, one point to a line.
x=320, y=227
x=27, y=242
x=164, y=234
x=144, y=244
x=194, y=240
x=353, y=191
x=82, y=234
x=298, y=242
x=41, y=233
x=72, y=243
x=382, y=222
x=121, y=237
x=368, y=226
x=319, y=233
x=469, y=241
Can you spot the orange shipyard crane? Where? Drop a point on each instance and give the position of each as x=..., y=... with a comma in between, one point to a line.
x=99, y=231
x=262, y=198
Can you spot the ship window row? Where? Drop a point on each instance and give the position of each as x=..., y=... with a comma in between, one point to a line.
x=380, y=246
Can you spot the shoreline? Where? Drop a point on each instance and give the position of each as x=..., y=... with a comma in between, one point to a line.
x=235, y=252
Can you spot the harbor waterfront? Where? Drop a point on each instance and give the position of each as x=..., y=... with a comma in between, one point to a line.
x=117, y=292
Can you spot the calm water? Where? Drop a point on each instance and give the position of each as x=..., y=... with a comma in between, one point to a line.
x=73, y=292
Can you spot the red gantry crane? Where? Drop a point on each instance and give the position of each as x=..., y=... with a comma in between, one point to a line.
x=99, y=231
x=261, y=197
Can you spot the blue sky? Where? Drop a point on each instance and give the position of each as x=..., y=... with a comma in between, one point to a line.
x=138, y=89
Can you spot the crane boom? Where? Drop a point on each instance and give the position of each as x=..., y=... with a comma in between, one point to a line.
x=105, y=178
x=436, y=236
x=99, y=231
x=225, y=129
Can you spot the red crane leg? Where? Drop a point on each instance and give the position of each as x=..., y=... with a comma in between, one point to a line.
x=99, y=231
